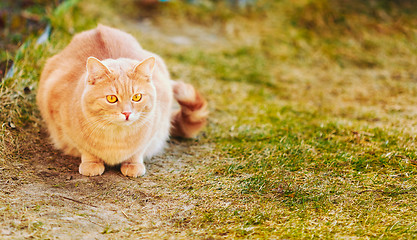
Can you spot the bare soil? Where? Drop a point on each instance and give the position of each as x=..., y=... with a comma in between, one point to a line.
x=44, y=196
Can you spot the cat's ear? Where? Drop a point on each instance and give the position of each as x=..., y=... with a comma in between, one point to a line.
x=145, y=68
x=96, y=71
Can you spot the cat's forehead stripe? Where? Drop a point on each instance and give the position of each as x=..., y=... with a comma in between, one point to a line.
x=124, y=87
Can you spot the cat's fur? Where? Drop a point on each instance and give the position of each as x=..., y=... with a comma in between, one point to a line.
x=72, y=100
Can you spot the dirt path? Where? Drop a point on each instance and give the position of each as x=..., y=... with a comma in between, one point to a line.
x=43, y=196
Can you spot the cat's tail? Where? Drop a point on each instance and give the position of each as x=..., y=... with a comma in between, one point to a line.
x=192, y=115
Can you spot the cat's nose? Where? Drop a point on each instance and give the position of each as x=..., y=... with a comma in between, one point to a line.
x=127, y=114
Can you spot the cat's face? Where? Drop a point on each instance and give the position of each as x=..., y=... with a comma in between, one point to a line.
x=119, y=91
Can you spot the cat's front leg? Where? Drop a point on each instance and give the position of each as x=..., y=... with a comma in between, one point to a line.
x=133, y=167
x=91, y=165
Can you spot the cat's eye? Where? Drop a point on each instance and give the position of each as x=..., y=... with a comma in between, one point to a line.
x=111, y=98
x=137, y=97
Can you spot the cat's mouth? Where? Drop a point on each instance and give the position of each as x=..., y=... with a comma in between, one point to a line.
x=127, y=118
x=123, y=122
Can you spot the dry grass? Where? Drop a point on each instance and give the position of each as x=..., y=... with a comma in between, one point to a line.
x=311, y=134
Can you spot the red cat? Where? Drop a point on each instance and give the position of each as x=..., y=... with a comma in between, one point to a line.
x=108, y=100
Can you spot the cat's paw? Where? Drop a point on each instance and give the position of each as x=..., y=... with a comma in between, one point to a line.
x=91, y=169
x=133, y=169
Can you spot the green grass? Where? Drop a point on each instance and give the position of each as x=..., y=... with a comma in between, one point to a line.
x=312, y=131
